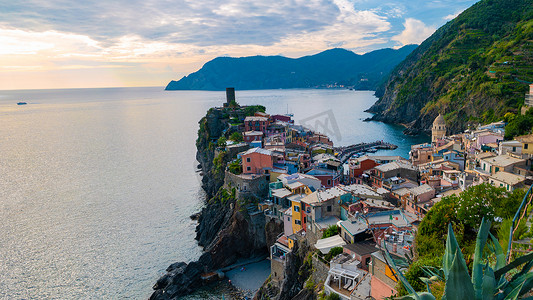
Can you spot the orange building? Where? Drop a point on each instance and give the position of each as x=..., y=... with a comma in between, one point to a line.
x=257, y=161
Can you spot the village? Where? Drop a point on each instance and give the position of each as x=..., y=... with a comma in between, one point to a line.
x=354, y=203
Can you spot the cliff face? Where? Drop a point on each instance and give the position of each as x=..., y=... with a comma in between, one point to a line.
x=211, y=128
x=228, y=229
x=472, y=70
x=228, y=233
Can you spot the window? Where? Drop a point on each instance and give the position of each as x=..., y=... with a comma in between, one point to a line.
x=328, y=208
x=525, y=146
x=288, y=218
x=247, y=159
x=297, y=208
x=297, y=222
x=329, y=181
x=248, y=168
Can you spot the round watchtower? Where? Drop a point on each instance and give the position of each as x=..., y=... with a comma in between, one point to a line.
x=438, y=131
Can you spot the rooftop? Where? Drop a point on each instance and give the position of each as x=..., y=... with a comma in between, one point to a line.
x=253, y=133
x=354, y=227
x=419, y=190
x=325, y=223
x=281, y=193
x=394, y=166
x=401, y=192
x=254, y=118
x=258, y=150
x=296, y=198
x=503, y=160
x=525, y=138
x=359, y=189
x=295, y=185
x=508, y=178
x=362, y=248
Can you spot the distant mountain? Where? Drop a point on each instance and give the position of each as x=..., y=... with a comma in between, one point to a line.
x=335, y=66
x=472, y=70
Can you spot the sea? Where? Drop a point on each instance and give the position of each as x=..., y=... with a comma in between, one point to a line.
x=97, y=185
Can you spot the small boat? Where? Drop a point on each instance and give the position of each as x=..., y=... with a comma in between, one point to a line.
x=21, y=103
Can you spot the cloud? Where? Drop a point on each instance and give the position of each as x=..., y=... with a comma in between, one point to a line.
x=150, y=35
x=453, y=16
x=415, y=32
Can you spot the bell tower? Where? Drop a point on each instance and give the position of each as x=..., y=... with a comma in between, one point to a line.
x=438, y=131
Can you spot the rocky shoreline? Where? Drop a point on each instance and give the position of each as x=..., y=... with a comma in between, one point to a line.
x=226, y=229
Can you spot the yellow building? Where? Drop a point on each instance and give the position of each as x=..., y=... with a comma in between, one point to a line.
x=438, y=131
x=296, y=208
x=527, y=143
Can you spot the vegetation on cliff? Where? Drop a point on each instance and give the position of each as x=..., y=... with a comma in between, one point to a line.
x=472, y=70
x=331, y=67
x=465, y=212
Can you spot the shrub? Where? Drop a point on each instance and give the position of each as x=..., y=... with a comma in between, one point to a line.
x=331, y=231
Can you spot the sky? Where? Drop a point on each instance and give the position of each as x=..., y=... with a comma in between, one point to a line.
x=118, y=43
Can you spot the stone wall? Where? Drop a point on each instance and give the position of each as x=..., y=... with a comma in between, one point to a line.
x=247, y=185
x=320, y=270
x=277, y=270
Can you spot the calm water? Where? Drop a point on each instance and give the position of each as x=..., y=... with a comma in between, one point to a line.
x=96, y=185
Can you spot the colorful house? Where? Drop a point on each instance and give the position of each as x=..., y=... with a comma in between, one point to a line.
x=257, y=161
x=251, y=136
x=256, y=124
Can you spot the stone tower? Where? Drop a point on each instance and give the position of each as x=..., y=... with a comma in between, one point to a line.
x=438, y=131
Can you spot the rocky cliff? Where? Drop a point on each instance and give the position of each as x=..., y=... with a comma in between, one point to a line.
x=212, y=127
x=228, y=229
x=472, y=70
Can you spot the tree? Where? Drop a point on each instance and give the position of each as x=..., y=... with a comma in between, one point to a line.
x=236, y=137
x=464, y=212
x=222, y=141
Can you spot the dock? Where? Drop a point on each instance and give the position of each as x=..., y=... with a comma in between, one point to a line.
x=345, y=152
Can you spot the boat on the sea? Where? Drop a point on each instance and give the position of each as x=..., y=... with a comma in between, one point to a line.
x=21, y=103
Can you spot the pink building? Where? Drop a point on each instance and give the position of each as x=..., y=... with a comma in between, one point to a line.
x=488, y=138
x=257, y=161
x=256, y=124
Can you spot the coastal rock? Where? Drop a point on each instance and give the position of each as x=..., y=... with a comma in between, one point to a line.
x=179, y=281
x=235, y=234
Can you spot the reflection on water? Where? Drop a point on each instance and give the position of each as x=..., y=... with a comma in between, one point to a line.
x=96, y=185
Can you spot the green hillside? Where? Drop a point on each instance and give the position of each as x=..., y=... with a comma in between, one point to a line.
x=330, y=67
x=472, y=70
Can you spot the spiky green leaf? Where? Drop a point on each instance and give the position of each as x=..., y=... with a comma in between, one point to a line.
x=513, y=295
x=458, y=284
x=514, y=264
x=498, y=251
x=399, y=274
x=477, y=268
x=452, y=248
x=489, y=284
x=525, y=281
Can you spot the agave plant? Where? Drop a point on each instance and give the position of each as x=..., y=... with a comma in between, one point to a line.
x=486, y=282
